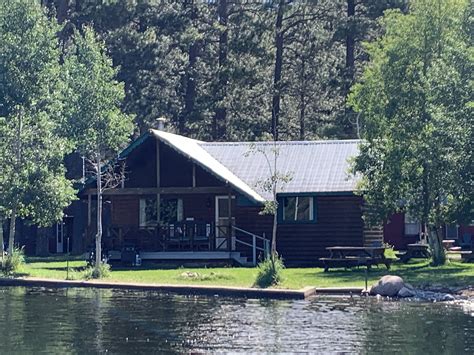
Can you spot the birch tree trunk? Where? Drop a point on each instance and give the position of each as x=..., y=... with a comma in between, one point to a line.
x=11, y=236
x=275, y=209
x=98, y=237
x=274, y=235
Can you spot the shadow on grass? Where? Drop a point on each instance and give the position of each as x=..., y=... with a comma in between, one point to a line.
x=54, y=259
x=71, y=268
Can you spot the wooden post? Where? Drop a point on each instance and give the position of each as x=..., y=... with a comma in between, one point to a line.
x=89, y=209
x=254, y=250
x=158, y=179
x=229, y=235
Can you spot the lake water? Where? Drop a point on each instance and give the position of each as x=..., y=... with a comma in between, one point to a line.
x=39, y=320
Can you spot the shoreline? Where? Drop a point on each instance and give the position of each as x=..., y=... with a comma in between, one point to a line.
x=215, y=290
x=209, y=290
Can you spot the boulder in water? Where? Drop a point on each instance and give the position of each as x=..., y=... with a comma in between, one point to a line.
x=388, y=285
x=406, y=292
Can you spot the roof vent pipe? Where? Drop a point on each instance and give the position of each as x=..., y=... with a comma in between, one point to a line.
x=161, y=123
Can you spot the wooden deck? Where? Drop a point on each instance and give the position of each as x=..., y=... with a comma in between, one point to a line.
x=185, y=256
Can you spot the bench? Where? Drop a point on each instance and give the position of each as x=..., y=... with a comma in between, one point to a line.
x=351, y=261
x=416, y=250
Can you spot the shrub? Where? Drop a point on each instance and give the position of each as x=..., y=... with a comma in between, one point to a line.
x=270, y=271
x=12, y=262
x=99, y=272
x=389, y=252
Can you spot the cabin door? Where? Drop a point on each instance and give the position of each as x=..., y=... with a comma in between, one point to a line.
x=222, y=222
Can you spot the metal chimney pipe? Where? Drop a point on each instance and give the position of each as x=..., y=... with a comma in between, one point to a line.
x=161, y=123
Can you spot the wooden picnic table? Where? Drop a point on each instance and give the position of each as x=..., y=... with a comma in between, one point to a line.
x=448, y=243
x=415, y=250
x=347, y=256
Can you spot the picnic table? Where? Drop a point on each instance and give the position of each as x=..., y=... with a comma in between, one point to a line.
x=347, y=256
x=448, y=243
x=415, y=250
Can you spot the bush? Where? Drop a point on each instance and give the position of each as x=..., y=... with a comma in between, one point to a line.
x=270, y=271
x=389, y=252
x=99, y=272
x=12, y=262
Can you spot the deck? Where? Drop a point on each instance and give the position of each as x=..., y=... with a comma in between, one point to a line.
x=185, y=256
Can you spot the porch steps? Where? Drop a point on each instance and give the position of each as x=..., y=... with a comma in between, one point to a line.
x=190, y=255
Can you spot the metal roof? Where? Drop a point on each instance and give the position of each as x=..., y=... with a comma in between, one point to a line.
x=314, y=166
x=192, y=149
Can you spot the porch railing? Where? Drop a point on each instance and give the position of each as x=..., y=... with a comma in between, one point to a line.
x=264, y=242
x=190, y=235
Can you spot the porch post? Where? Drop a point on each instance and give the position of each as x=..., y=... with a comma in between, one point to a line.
x=229, y=234
x=158, y=182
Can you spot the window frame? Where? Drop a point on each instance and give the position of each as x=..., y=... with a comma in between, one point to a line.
x=405, y=217
x=142, y=205
x=155, y=224
x=312, y=208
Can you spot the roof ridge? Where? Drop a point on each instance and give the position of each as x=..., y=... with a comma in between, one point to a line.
x=323, y=141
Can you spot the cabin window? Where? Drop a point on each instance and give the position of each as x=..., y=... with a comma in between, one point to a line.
x=171, y=211
x=297, y=209
x=148, y=212
x=412, y=225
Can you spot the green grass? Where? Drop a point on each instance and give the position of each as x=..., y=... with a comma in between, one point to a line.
x=418, y=273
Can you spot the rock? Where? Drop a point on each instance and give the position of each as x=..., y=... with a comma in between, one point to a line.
x=447, y=297
x=406, y=292
x=190, y=275
x=388, y=285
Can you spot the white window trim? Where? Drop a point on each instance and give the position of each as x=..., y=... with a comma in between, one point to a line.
x=311, y=210
x=411, y=223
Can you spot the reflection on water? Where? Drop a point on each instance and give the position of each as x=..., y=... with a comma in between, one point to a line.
x=97, y=321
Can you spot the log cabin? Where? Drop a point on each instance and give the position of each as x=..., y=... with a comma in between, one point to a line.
x=189, y=200
x=184, y=199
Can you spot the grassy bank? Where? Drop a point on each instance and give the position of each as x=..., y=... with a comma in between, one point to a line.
x=419, y=273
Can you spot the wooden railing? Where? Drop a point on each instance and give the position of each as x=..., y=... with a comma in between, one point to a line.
x=258, y=243
x=188, y=236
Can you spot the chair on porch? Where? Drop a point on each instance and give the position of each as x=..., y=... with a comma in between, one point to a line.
x=187, y=235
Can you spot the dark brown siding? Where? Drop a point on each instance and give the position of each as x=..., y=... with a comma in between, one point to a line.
x=394, y=232
x=176, y=170
x=204, y=178
x=141, y=165
x=125, y=210
x=200, y=207
x=339, y=222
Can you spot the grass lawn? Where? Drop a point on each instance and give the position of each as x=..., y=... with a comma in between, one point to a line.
x=418, y=273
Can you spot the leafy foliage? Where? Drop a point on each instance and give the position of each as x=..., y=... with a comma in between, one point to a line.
x=32, y=182
x=100, y=271
x=415, y=97
x=13, y=261
x=270, y=271
x=95, y=121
